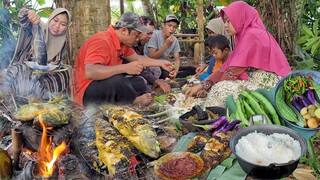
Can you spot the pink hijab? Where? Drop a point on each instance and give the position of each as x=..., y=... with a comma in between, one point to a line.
x=254, y=45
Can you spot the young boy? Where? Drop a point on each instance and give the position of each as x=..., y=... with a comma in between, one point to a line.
x=163, y=44
x=219, y=48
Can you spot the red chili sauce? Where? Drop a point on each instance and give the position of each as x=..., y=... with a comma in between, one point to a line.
x=181, y=168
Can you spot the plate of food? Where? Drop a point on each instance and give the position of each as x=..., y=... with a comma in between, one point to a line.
x=178, y=166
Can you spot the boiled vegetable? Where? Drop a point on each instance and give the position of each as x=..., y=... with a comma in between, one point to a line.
x=215, y=124
x=317, y=113
x=313, y=123
x=296, y=104
x=231, y=125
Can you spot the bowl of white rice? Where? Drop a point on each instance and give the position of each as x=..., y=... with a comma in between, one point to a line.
x=268, y=151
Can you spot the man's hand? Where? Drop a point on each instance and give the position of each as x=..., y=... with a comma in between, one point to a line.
x=163, y=85
x=166, y=65
x=134, y=67
x=168, y=41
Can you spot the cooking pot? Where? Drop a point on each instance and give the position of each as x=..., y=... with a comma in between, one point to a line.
x=274, y=170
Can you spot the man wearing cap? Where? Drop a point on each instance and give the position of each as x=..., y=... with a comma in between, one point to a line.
x=163, y=44
x=100, y=74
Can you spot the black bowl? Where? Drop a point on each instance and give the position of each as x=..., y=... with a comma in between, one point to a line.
x=273, y=171
x=188, y=124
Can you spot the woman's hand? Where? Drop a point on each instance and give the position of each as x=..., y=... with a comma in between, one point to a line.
x=33, y=17
x=193, y=91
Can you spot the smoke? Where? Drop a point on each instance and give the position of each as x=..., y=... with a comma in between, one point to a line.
x=7, y=39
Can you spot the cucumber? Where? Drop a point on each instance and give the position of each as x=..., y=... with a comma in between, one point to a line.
x=248, y=110
x=240, y=112
x=316, y=87
x=255, y=104
x=284, y=110
x=268, y=107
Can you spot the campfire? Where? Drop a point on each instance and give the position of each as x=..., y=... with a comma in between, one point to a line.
x=48, y=142
x=46, y=155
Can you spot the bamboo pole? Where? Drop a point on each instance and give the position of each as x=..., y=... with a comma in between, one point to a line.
x=16, y=146
x=200, y=19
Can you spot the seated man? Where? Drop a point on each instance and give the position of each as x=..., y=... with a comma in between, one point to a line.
x=162, y=44
x=100, y=75
x=147, y=73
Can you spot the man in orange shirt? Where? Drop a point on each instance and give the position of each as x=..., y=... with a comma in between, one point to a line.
x=100, y=74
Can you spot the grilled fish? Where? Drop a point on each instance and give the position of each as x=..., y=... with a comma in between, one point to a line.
x=85, y=146
x=198, y=142
x=30, y=111
x=39, y=46
x=39, y=53
x=135, y=128
x=215, y=151
x=53, y=115
x=114, y=150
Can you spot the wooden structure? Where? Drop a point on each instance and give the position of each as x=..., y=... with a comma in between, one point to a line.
x=197, y=39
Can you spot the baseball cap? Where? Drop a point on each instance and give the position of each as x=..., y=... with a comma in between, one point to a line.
x=132, y=20
x=171, y=17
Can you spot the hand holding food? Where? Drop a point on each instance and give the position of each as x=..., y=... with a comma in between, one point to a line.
x=33, y=17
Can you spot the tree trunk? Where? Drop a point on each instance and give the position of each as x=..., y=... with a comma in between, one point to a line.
x=88, y=18
x=147, y=8
x=281, y=20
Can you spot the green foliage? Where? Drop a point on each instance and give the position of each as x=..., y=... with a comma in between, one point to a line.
x=310, y=39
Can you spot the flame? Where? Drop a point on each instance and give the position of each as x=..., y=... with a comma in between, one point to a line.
x=47, y=157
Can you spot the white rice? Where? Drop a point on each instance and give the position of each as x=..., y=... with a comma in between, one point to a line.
x=262, y=149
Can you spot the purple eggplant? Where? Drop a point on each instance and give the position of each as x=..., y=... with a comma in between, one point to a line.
x=310, y=96
x=296, y=103
x=304, y=101
x=238, y=127
x=232, y=125
x=219, y=129
x=215, y=124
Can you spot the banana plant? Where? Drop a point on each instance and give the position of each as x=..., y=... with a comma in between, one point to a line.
x=310, y=39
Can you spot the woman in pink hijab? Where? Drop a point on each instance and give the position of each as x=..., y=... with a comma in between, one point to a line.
x=255, y=48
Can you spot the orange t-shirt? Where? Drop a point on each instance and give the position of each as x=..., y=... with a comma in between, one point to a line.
x=217, y=65
x=101, y=48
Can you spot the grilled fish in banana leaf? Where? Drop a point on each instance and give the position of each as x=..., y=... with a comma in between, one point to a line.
x=114, y=150
x=215, y=151
x=28, y=112
x=135, y=128
x=53, y=115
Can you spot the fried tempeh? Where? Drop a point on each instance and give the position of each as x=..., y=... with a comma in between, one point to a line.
x=198, y=142
x=215, y=151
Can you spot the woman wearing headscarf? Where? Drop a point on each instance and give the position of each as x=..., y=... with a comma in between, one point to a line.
x=214, y=27
x=37, y=64
x=255, y=48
